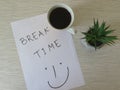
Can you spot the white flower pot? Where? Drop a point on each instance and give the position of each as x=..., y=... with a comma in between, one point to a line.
x=86, y=44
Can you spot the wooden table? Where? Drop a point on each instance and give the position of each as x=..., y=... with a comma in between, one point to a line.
x=101, y=68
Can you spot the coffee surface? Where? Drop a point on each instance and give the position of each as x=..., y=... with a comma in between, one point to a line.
x=60, y=18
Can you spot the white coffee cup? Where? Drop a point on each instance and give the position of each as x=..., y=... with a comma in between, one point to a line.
x=69, y=26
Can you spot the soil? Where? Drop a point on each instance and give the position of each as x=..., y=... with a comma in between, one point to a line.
x=97, y=44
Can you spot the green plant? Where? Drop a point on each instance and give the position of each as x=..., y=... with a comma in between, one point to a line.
x=98, y=35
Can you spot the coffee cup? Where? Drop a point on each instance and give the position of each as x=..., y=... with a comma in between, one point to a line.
x=61, y=17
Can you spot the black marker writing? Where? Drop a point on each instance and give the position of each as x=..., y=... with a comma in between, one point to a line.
x=37, y=53
x=33, y=36
x=40, y=34
x=50, y=83
x=43, y=51
x=46, y=30
x=23, y=41
x=29, y=38
x=49, y=48
x=56, y=43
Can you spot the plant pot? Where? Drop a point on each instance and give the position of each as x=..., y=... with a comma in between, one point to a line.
x=90, y=46
x=86, y=44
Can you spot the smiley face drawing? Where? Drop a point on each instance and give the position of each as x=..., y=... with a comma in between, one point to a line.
x=55, y=74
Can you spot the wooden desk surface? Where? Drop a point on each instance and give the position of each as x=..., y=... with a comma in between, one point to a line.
x=101, y=68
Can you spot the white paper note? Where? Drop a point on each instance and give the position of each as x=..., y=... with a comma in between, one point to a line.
x=47, y=56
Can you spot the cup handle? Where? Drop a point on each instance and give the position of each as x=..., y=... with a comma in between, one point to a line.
x=72, y=30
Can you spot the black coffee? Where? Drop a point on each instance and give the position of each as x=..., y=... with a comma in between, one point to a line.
x=60, y=18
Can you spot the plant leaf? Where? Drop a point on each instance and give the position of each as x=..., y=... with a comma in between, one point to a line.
x=108, y=39
x=107, y=27
x=112, y=37
x=96, y=25
x=99, y=33
x=108, y=32
x=101, y=29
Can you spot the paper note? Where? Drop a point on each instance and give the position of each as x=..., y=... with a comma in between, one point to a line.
x=47, y=56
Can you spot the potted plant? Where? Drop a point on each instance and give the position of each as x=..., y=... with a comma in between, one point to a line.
x=98, y=35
